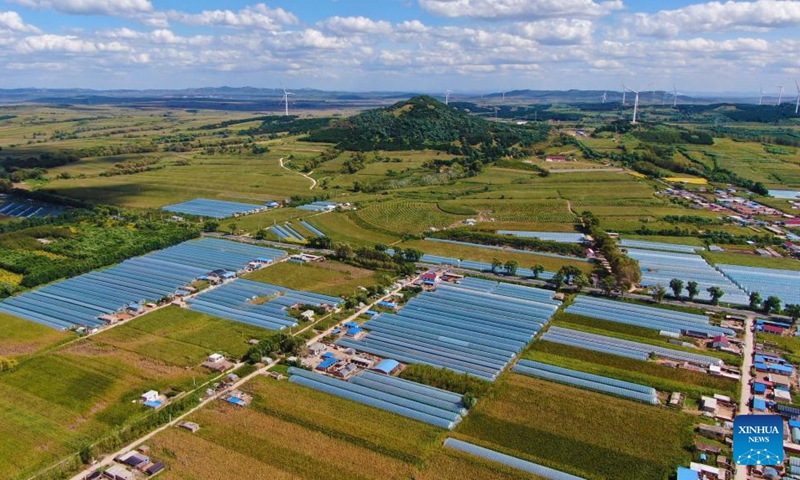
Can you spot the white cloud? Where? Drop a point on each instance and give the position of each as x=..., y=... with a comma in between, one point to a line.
x=12, y=21
x=718, y=17
x=55, y=43
x=558, y=31
x=343, y=25
x=520, y=9
x=91, y=7
x=257, y=17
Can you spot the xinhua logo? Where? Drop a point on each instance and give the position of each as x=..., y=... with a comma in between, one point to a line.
x=758, y=440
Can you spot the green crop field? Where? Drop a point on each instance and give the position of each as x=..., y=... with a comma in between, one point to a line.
x=329, y=277
x=751, y=260
x=406, y=217
x=581, y=432
x=284, y=432
x=342, y=227
x=652, y=374
x=448, y=464
x=21, y=337
x=464, y=252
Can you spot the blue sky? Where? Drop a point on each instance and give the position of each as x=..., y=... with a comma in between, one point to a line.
x=421, y=45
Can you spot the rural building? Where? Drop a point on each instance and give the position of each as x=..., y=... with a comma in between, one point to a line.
x=362, y=362
x=720, y=342
x=346, y=371
x=134, y=459
x=713, y=431
x=150, y=396
x=191, y=426
x=705, y=448
x=687, y=474
x=308, y=315
x=327, y=364
x=387, y=366
x=215, y=357
x=709, y=404
x=676, y=399
x=555, y=158
x=118, y=472
x=355, y=332
x=154, y=468
x=316, y=348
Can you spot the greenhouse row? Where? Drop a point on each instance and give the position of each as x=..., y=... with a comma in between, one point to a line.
x=204, y=207
x=784, y=284
x=508, y=460
x=312, y=228
x=81, y=300
x=376, y=395
x=612, y=386
x=627, y=348
x=561, y=237
x=505, y=289
x=464, y=330
x=664, y=247
x=480, y=266
x=658, y=268
x=28, y=209
x=286, y=233
x=644, y=316
x=238, y=301
x=318, y=206
x=505, y=249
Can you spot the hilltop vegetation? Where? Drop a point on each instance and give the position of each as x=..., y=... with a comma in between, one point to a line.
x=423, y=122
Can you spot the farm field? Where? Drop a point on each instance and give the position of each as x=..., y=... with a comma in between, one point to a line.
x=328, y=277
x=58, y=400
x=342, y=227
x=400, y=217
x=285, y=431
x=660, y=377
x=21, y=337
x=465, y=252
x=753, y=260
x=580, y=432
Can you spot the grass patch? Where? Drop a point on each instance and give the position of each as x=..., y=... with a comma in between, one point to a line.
x=22, y=337
x=585, y=433
x=752, y=260
x=328, y=277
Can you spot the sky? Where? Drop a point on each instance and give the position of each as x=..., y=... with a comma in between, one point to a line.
x=402, y=45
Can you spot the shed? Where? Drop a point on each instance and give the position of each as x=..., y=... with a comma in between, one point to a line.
x=386, y=366
x=328, y=363
x=308, y=315
x=759, y=404
x=350, y=324
x=118, y=472
x=773, y=329
x=354, y=332
x=687, y=474
x=216, y=357
x=759, y=388
x=316, y=348
x=346, y=370
x=783, y=395
x=155, y=468
x=362, y=362
x=709, y=404
x=191, y=426
x=150, y=396
x=237, y=401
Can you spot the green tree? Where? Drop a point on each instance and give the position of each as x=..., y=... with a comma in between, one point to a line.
x=772, y=304
x=716, y=293
x=607, y=284
x=412, y=254
x=210, y=226
x=793, y=310
x=232, y=228
x=511, y=267
x=755, y=300
x=496, y=264
x=692, y=290
x=658, y=292
x=261, y=234
x=676, y=285
x=343, y=251
x=558, y=280
x=537, y=270
x=581, y=281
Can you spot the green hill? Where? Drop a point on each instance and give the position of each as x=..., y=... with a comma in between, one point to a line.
x=423, y=122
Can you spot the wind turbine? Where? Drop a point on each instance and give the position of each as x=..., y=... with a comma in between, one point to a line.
x=623, y=93
x=605, y=95
x=761, y=98
x=797, y=101
x=286, y=100
x=447, y=96
x=674, y=95
x=635, y=104
x=504, y=96
x=780, y=95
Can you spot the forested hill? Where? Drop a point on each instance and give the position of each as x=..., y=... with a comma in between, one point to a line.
x=423, y=122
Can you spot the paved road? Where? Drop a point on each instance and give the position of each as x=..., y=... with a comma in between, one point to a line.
x=108, y=460
x=746, y=393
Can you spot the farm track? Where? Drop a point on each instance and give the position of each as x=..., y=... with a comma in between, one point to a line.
x=313, y=182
